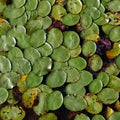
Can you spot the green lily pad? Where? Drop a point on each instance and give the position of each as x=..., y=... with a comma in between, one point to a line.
x=89, y=48
x=71, y=40
x=55, y=37
x=108, y=95
x=33, y=80
x=42, y=107
x=44, y=8
x=114, y=6
x=114, y=34
x=70, y=19
x=11, y=12
x=38, y=38
x=21, y=65
x=58, y=12
x=56, y=78
x=72, y=74
x=4, y=27
x=48, y=116
x=7, y=42
x=45, y=50
x=94, y=106
x=78, y=63
x=74, y=6
x=114, y=116
x=31, y=54
x=5, y=64
x=75, y=89
x=93, y=3
x=45, y=65
x=14, y=53
x=75, y=103
x=92, y=86
x=98, y=117
x=12, y=112
x=95, y=62
x=117, y=61
x=57, y=97
x=104, y=77
x=60, y=54
x=9, y=80
x=82, y=116
x=2, y=5
x=31, y=5
x=3, y=95
x=85, y=78
x=19, y=3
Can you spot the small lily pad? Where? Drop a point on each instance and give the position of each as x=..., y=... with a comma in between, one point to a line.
x=48, y=116
x=42, y=66
x=56, y=79
x=3, y=95
x=98, y=117
x=93, y=3
x=78, y=63
x=82, y=116
x=19, y=3
x=57, y=97
x=114, y=116
x=117, y=61
x=108, y=95
x=75, y=103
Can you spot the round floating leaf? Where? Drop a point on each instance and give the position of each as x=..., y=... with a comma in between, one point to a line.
x=74, y=6
x=14, y=53
x=10, y=112
x=86, y=21
x=56, y=78
x=94, y=105
x=45, y=50
x=75, y=89
x=59, y=65
x=75, y=103
x=81, y=117
x=48, y=116
x=92, y=86
x=114, y=83
x=71, y=39
x=88, y=48
x=95, y=62
x=57, y=97
x=117, y=61
x=58, y=12
x=4, y=26
x=28, y=97
x=72, y=74
x=38, y=38
x=42, y=66
x=44, y=8
x=7, y=42
x=5, y=64
x=31, y=54
x=41, y=107
x=60, y=54
x=114, y=116
x=55, y=37
x=108, y=95
x=21, y=65
x=93, y=3
x=114, y=34
x=70, y=19
x=9, y=80
x=78, y=63
x=31, y=4
x=114, y=6
x=85, y=78
x=104, y=77
x=11, y=12
x=75, y=52
x=33, y=80
x=3, y=95
x=98, y=117
x=19, y=3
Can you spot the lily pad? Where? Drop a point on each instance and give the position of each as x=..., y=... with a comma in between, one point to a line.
x=48, y=116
